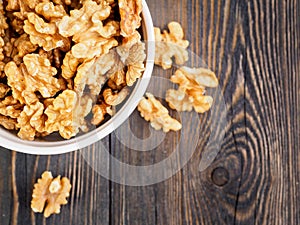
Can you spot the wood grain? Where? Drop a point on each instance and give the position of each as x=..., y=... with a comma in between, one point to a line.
x=253, y=46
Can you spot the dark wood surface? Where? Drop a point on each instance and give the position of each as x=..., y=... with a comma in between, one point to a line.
x=253, y=46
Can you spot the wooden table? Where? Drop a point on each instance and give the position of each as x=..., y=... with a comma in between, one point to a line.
x=253, y=46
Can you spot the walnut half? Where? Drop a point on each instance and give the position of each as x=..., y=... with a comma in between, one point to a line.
x=50, y=192
x=170, y=44
x=191, y=90
x=152, y=110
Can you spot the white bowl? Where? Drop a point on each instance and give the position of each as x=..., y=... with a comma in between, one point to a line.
x=41, y=147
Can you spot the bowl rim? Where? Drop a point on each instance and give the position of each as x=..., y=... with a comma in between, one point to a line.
x=11, y=141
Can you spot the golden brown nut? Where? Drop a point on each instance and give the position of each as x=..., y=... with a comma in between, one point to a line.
x=50, y=11
x=22, y=8
x=117, y=79
x=133, y=57
x=40, y=75
x=57, y=58
x=110, y=2
x=114, y=99
x=11, y=50
x=82, y=109
x=2, y=57
x=12, y=5
x=80, y=21
x=61, y=2
x=60, y=114
x=1, y=48
x=49, y=194
x=87, y=23
x=152, y=110
x=4, y=89
x=130, y=11
x=16, y=80
x=10, y=107
x=24, y=46
x=45, y=34
x=201, y=76
x=3, y=24
x=179, y=100
x=92, y=74
x=17, y=25
x=128, y=42
x=8, y=123
x=70, y=65
x=99, y=112
x=36, y=74
x=2, y=74
x=110, y=29
x=66, y=114
x=92, y=47
x=86, y=28
x=201, y=103
x=168, y=45
x=31, y=120
x=191, y=92
x=135, y=63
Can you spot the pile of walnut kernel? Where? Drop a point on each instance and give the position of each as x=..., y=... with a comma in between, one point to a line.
x=63, y=60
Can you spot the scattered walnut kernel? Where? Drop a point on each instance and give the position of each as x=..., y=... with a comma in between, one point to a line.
x=201, y=76
x=179, y=100
x=152, y=110
x=191, y=91
x=49, y=194
x=170, y=44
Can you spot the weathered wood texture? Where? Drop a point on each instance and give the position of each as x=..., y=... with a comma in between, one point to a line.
x=253, y=46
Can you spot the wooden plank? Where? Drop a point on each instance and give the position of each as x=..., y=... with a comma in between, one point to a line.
x=272, y=89
x=252, y=46
x=6, y=197
x=189, y=196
